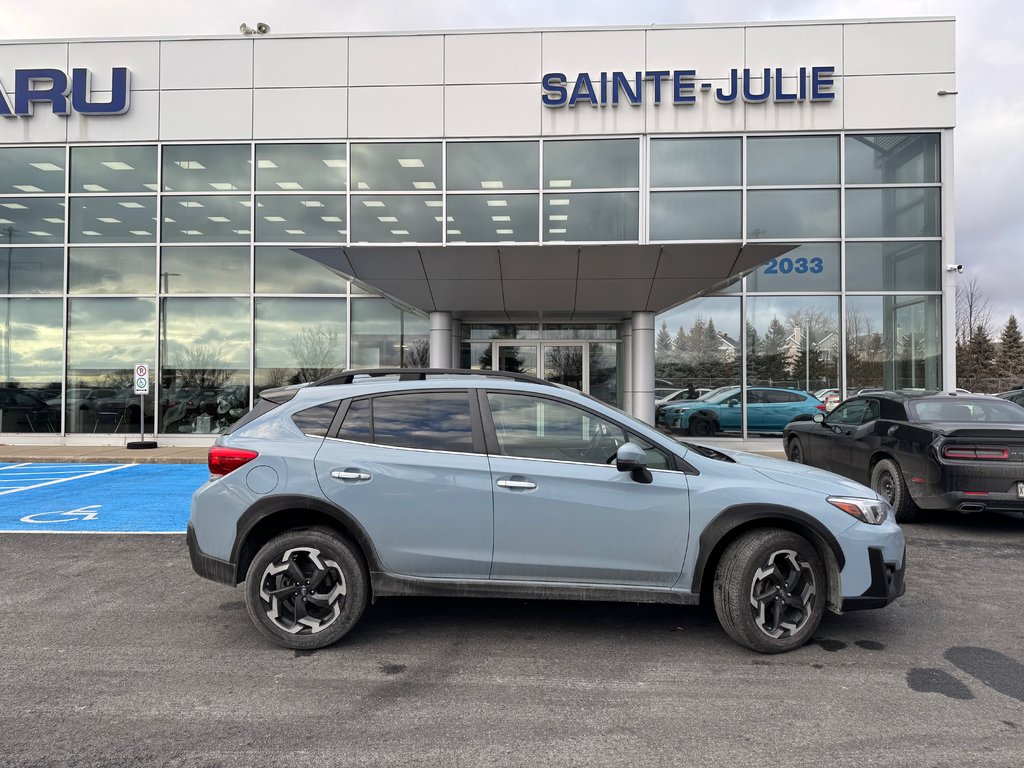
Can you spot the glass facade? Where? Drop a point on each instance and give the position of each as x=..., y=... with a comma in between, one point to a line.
x=200, y=258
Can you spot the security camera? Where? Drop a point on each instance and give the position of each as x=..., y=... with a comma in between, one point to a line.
x=262, y=28
x=955, y=268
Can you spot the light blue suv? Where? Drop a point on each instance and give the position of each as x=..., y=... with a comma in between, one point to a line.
x=369, y=484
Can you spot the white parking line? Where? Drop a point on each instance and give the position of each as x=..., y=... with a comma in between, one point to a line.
x=78, y=476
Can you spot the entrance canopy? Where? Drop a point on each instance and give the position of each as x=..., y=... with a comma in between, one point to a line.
x=564, y=281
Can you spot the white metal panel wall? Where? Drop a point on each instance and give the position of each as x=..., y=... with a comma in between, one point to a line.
x=405, y=60
x=492, y=110
x=899, y=48
x=704, y=116
x=204, y=64
x=801, y=45
x=895, y=101
x=492, y=58
x=712, y=52
x=806, y=116
x=309, y=62
x=140, y=123
x=598, y=51
x=143, y=59
x=396, y=112
x=213, y=114
x=300, y=113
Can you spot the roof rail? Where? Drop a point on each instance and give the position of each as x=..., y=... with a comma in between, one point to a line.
x=420, y=374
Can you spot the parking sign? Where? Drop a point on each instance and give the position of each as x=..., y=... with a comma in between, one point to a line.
x=141, y=379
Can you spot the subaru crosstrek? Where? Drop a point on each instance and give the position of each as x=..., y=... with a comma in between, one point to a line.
x=473, y=483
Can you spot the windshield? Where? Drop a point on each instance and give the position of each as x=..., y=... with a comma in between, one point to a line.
x=963, y=410
x=721, y=395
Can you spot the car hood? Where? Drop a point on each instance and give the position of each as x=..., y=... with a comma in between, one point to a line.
x=801, y=476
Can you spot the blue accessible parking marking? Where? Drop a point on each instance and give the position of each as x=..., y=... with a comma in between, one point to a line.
x=97, y=498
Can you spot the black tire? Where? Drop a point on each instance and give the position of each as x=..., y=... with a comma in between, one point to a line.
x=795, y=451
x=887, y=480
x=701, y=426
x=770, y=590
x=333, y=597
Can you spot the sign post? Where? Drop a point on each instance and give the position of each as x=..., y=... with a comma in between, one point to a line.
x=142, y=389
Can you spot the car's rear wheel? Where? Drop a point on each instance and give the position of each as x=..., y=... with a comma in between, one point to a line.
x=795, y=451
x=701, y=426
x=770, y=590
x=887, y=480
x=306, y=588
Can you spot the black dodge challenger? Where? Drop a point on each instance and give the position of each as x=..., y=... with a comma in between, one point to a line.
x=921, y=450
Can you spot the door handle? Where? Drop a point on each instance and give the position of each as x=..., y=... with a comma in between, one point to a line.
x=524, y=485
x=349, y=474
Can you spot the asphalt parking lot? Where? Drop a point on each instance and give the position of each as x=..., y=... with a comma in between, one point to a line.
x=112, y=652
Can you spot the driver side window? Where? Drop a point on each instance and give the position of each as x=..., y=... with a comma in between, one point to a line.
x=537, y=428
x=853, y=413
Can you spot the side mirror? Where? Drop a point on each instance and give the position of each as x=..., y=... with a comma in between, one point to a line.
x=733, y=402
x=631, y=458
x=818, y=418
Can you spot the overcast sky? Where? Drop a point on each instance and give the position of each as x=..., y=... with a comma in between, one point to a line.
x=989, y=138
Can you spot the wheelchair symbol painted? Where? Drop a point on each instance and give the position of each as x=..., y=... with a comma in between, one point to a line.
x=82, y=513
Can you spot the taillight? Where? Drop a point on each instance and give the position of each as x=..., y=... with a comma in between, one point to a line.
x=975, y=452
x=820, y=407
x=221, y=461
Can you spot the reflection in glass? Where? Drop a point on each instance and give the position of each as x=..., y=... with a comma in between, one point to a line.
x=397, y=167
x=284, y=270
x=30, y=364
x=106, y=338
x=396, y=219
x=699, y=343
x=300, y=218
x=605, y=372
x=563, y=364
x=577, y=331
x=210, y=218
x=782, y=160
x=892, y=158
x=894, y=342
x=793, y=213
x=206, y=168
x=298, y=340
x=810, y=267
x=204, y=378
x=31, y=170
x=591, y=216
x=696, y=162
x=517, y=358
x=481, y=166
x=204, y=269
x=696, y=215
x=383, y=336
x=113, y=169
x=592, y=164
x=112, y=270
x=893, y=212
x=113, y=220
x=793, y=341
x=31, y=220
x=899, y=266
x=492, y=218
x=315, y=167
x=437, y=421
x=30, y=270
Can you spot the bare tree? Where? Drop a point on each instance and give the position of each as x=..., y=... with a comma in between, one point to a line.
x=200, y=366
x=316, y=352
x=417, y=355
x=972, y=310
x=276, y=377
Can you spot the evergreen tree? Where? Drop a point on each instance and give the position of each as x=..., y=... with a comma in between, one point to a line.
x=1011, y=351
x=773, y=352
x=682, y=341
x=979, y=357
x=663, y=343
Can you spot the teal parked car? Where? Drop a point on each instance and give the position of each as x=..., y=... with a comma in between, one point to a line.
x=769, y=409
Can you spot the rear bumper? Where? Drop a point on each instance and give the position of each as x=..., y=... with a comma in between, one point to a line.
x=886, y=583
x=206, y=566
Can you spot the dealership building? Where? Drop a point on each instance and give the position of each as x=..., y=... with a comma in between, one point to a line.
x=620, y=210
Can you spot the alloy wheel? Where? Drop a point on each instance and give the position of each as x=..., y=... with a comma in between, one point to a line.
x=782, y=594
x=302, y=592
x=887, y=487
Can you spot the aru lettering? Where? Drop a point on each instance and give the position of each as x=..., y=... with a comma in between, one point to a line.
x=64, y=95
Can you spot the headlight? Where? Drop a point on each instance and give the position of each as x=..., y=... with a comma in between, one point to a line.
x=871, y=511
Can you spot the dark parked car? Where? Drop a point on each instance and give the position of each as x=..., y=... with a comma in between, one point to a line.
x=921, y=450
x=1014, y=395
x=22, y=412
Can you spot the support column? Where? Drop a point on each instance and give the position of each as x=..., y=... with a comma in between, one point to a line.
x=627, y=366
x=440, y=339
x=643, y=366
x=456, y=343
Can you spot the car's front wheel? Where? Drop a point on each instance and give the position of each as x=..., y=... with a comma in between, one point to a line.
x=770, y=590
x=796, y=451
x=701, y=426
x=306, y=588
x=887, y=480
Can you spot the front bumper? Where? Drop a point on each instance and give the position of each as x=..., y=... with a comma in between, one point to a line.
x=886, y=583
x=206, y=566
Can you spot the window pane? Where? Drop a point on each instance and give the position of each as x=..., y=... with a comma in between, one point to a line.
x=396, y=219
x=601, y=216
x=605, y=372
x=112, y=270
x=893, y=266
x=317, y=420
x=773, y=161
x=793, y=342
x=598, y=164
x=113, y=220
x=316, y=167
x=383, y=336
x=811, y=267
x=567, y=331
x=31, y=270
x=302, y=218
x=298, y=340
x=492, y=218
x=696, y=215
x=397, y=167
x=699, y=343
x=437, y=421
x=204, y=269
x=30, y=368
x=113, y=169
x=210, y=218
x=493, y=165
x=696, y=163
x=204, y=379
x=209, y=168
x=793, y=213
x=106, y=338
x=893, y=158
x=894, y=342
x=895, y=212
x=26, y=170
x=356, y=425
x=31, y=221
x=283, y=270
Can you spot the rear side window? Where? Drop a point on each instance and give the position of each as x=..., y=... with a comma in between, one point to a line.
x=436, y=421
x=315, y=421
x=775, y=396
x=262, y=406
x=356, y=425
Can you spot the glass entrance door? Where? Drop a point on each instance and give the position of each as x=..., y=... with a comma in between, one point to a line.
x=516, y=358
x=560, y=362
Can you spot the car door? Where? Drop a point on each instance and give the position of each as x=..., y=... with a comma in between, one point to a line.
x=562, y=513
x=857, y=442
x=844, y=428
x=411, y=468
x=780, y=408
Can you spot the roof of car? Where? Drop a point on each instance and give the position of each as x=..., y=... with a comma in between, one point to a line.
x=903, y=395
